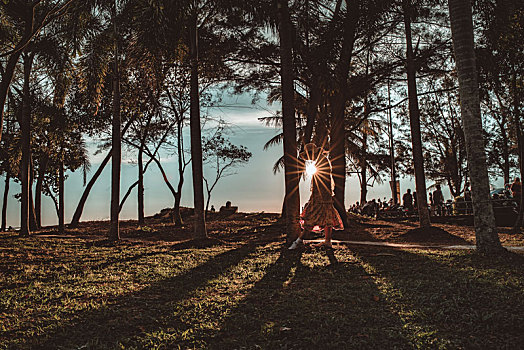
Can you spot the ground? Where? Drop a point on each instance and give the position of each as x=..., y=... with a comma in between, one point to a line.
x=240, y=289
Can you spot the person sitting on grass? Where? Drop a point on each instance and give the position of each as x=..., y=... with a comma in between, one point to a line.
x=319, y=210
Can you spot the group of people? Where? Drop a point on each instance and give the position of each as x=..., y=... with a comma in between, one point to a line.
x=436, y=201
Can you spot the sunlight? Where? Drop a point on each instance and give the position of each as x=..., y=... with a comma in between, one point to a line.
x=311, y=169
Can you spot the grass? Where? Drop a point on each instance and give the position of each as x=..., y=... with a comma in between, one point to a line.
x=76, y=293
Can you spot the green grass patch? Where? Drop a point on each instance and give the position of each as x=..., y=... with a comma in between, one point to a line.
x=72, y=293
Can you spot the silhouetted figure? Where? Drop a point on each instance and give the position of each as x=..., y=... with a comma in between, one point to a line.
x=228, y=209
x=516, y=189
x=407, y=201
x=438, y=199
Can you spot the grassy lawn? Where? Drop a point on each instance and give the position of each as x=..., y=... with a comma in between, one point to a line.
x=75, y=293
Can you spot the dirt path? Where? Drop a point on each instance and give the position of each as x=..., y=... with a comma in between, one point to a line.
x=409, y=246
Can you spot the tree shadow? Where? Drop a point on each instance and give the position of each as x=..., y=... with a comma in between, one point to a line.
x=301, y=304
x=453, y=299
x=431, y=234
x=135, y=313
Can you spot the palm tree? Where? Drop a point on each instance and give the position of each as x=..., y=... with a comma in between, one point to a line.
x=414, y=121
x=463, y=44
x=116, y=138
x=195, y=130
x=291, y=167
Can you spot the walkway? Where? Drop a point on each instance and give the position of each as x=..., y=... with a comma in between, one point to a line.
x=408, y=246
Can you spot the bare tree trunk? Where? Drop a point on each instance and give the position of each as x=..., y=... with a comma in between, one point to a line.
x=61, y=198
x=196, y=137
x=25, y=131
x=363, y=170
x=460, y=13
x=4, y=204
x=291, y=167
x=338, y=132
x=141, y=219
x=414, y=121
x=114, y=233
x=177, y=218
x=518, y=132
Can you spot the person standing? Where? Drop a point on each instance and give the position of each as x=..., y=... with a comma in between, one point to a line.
x=438, y=200
x=407, y=200
x=319, y=210
x=516, y=189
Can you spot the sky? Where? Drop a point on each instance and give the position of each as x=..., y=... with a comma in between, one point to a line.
x=254, y=187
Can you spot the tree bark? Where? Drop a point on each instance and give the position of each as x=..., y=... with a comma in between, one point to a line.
x=25, y=131
x=4, y=203
x=61, y=198
x=363, y=170
x=460, y=13
x=291, y=166
x=141, y=219
x=338, y=133
x=518, y=131
x=116, y=141
x=196, y=136
x=414, y=121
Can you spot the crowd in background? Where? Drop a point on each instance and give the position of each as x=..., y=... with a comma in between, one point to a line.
x=438, y=205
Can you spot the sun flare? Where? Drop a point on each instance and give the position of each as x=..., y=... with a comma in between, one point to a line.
x=311, y=169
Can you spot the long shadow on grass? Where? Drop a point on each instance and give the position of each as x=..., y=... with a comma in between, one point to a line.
x=132, y=314
x=309, y=305
x=72, y=269
x=454, y=299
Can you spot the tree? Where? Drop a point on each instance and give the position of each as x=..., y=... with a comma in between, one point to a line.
x=222, y=156
x=414, y=120
x=200, y=230
x=35, y=15
x=462, y=33
x=291, y=166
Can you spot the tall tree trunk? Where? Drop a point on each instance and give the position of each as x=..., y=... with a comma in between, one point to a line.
x=81, y=203
x=196, y=136
x=116, y=142
x=363, y=170
x=393, y=182
x=460, y=13
x=338, y=132
x=25, y=131
x=518, y=131
x=61, y=197
x=141, y=219
x=414, y=121
x=291, y=166
x=4, y=203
